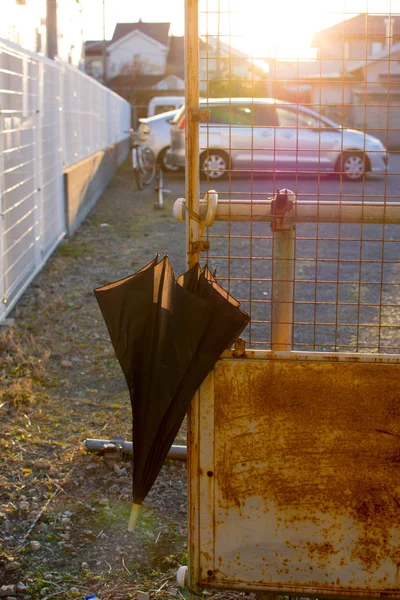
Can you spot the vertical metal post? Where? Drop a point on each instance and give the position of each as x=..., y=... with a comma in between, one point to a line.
x=282, y=290
x=38, y=119
x=283, y=254
x=192, y=128
x=192, y=194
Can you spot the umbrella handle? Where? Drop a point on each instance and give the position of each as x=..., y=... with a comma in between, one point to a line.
x=211, y=197
x=208, y=210
x=211, y=201
x=135, y=510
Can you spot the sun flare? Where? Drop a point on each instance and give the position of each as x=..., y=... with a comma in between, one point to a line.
x=283, y=29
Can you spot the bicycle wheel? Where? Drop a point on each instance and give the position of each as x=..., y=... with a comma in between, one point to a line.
x=148, y=161
x=160, y=187
x=137, y=169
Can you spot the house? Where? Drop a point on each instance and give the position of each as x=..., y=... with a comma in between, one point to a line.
x=135, y=49
x=226, y=70
x=376, y=95
x=357, y=38
x=23, y=22
x=142, y=61
x=358, y=62
x=355, y=78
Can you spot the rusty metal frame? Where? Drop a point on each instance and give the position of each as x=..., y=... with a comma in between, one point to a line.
x=202, y=420
x=205, y=464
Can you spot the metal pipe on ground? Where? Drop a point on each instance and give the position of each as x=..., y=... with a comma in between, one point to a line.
x=93, y=445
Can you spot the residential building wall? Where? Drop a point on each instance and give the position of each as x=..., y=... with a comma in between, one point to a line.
x=377, y=99
x=94, y=66
x=344, y=48
x=136, y=53
x=333, y=99
x=378, y=113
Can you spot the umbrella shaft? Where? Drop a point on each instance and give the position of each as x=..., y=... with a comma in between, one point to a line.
x=93, y=445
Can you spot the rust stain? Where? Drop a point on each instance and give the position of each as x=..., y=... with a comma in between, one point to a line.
x=319, y=553
x=314, y=437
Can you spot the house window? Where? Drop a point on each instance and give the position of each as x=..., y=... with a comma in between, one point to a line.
x=96, y=68
x=346, y=49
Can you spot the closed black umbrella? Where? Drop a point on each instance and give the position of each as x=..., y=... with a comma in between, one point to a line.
x=167, y=336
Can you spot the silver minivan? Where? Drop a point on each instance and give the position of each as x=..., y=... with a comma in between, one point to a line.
x=264, y=134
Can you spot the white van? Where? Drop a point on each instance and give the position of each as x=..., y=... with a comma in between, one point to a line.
x=160, y=104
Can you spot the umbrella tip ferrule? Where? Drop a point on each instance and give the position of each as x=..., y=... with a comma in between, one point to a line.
x=135, y=510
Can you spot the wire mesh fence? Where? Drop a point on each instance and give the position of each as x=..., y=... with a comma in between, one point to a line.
x=306, y=98
x=51, y=116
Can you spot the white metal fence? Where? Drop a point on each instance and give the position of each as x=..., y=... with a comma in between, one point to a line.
x=51, y=116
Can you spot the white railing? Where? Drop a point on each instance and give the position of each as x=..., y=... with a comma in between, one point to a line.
x=51, y=116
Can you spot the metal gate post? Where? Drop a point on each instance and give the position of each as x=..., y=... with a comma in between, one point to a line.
x=192, y=128
x=192, y=63
x=282, y=290
x=283, y=252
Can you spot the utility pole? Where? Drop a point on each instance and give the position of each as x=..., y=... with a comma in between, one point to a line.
x=51, y=29
x=104, y=45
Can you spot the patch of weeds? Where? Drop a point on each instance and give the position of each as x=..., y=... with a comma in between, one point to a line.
x=20, y=370
x=72, y=249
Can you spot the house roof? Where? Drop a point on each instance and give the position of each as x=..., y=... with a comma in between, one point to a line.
x=157, y=31
x=176, y=57
x=362, y=25
x=94, y=47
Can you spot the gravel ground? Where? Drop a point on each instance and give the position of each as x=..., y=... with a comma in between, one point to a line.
x=64, y=513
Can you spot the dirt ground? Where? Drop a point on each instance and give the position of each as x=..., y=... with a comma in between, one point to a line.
x=63, y=512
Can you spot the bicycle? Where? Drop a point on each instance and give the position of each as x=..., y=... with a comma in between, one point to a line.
x=143, y=159
x=145, y=166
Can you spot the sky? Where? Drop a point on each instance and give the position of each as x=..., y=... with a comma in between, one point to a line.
x=259, y=27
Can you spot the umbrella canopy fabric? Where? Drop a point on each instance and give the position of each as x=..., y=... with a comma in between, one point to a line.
x=167, y=335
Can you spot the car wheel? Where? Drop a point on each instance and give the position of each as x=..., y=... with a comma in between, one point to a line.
x=214, y=164
x=166, y=165
x=352, y=165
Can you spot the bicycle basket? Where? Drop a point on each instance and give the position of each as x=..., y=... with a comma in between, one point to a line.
x=143, y=132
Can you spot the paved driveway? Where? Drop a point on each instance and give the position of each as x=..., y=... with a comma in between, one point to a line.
x=247, y=185
x=347, y=277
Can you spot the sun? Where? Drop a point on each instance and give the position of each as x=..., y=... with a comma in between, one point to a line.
x=263, y=29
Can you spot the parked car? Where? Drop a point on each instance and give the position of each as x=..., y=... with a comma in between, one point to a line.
x=160, y=104
x=269, y=134
x=159, y=137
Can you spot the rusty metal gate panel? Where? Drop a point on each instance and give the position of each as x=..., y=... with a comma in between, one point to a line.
x=293, y=439
x=296, y=477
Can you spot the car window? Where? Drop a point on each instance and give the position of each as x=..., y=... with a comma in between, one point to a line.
x=249, y=115
x=232, y=114
x=264, y=115
x=292, y=118
x=163, y=108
